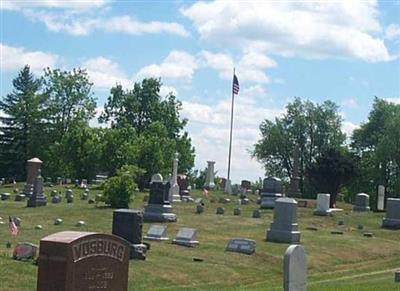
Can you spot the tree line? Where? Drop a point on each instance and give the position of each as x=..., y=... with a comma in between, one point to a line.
x=48, y=117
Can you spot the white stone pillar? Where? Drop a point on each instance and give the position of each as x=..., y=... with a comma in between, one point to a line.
x=174, y=190
x=381, y=198
x=210, y=175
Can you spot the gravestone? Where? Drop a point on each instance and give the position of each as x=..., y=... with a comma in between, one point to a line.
x=56, y=199
x=323, y=205
x=199, y=208
x=256, y=214
x=25, y=251
x=302, y=203
x=174, y=189
x=54, y=193
x=361, y=203
x=58, y=221
x=157, y=232
x=70, y=199
x=33, y=167
x=84, y=184
x=392, y=218
x=244, y=184
x=397, y=276
x=84, y=196
x=237, y=211
x=183, y=182
x=71, y=261
x=220, y=211
x=381, y=198
x=5, y=196
x=241, y=245
x=235, y=189
x=228, y=187
x=159, y=208
x=294, y=188
x=272, y=190
x=186, y=237
x=295, y=269
x=68, y=193
x=284, y=228
x=210, y=175
x=128, y=224
x=37, y=198
x=222, y=183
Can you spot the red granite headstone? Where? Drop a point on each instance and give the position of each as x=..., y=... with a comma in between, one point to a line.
x=83, y=261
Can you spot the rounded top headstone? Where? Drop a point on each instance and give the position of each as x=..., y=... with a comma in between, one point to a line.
x=286, y=200
x=363, y=194
x=156, y=178
x=35, y=160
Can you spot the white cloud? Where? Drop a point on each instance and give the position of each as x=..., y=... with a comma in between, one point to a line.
x=209, y=130
x=178, y=65
x=395, y=100
x=348, y=127
x=165, y=90
x=56, y=4
x=79, y=24
x=350, y=103
x=309, y=29
x=392, y=31
x=104, y=73
x=14, y=58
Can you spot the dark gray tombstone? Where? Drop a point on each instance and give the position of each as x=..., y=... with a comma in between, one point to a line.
x=237, y=211
x=241, y=245
x=5, y=196
x=70, y=198
x=245, y=184
x=157, y=233
x=37, y=198
x=392, y=218
x=186, y=237
x=284, y=228
x=20, y=197
x=272, y=190
x=128, y=224
x=220, y=211
x=361, y=203
x=256, y=214
x=56, y=199
x=159, y=208
x=199, y=208
x=397, y=276
x=295, y=269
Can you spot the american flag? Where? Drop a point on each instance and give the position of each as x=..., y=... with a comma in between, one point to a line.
x=235, y=85
x=12, y=226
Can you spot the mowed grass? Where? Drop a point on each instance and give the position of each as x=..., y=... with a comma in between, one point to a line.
x=335, y=262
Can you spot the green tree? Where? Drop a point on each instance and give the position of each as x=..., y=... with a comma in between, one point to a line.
x=22, y=126
x=314, y=128
x=331, y=171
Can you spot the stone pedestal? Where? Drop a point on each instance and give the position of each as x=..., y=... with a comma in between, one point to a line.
x=381, y=198
x=284, y=228
x=32, y=168
x=392, y=218
x=272, y=190
x=361, y=203
x=323, y=204
x=209, y=184
x=37, y=198
x=228, y=187
x=174, y=190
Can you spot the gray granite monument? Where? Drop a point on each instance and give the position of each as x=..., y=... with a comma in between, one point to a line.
x=361, y=203
x=392, y=218
x=174, y=189
x=381, y=198
x=186, y=237
x=272, y=190
x=37, y=198
x=241, y=245
x=157, y=232
x=209, y=184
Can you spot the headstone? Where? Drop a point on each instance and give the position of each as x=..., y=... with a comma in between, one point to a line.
x=174, y=189
x=56, y=199
x=209, y=184
x=241, y=245
x=37, y=198
x=362, y=202
x=54, y=193
x=183, y=182
x=381, y=198
x=284, y=228
x=25, y=251
x=157, y=232
x=84, y=196
x=5, y=196
x=17, y=221
x=222, y=183
x=302, y=203
x=58, y=221
x=397, y=276
x=186, y=237
x=392, y=218
x=199, y=208
x=70, y=198
x=256, y=214
x=295, y=269
x=128, y=224
x=159, y=208
x=220, y=211
x=59, y=180
x=33, y=167
x=228, y=187
x=235, y=189
x=245, y=184
x=68, y=193
x=71, y=261
x=245, y=201
x=80, y=223
x=39, y=226
x=294, y=189
x=272, y=190
x=84, y=184
x=237, y=211
x=323, y=205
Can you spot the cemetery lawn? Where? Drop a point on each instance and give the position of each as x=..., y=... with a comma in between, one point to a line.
x=335, y=262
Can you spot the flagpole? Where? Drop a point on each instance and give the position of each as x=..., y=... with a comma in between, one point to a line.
x=230, y=136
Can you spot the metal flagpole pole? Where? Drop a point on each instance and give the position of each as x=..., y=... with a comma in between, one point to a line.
x=230, y=136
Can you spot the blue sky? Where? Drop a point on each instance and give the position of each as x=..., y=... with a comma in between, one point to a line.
x=346, y=51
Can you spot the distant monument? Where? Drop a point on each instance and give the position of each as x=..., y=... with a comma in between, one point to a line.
x=33, y=167
x=174, y=190
x=37, y=198
x=209, y=184
x=294, y=189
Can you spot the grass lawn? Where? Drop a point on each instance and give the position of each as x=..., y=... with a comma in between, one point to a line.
x=335, y=262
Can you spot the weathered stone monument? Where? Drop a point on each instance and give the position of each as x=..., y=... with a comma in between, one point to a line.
x=186, y=237
x=294, y=189
x=174, y=189
x=295, y=269
x=323, y=204
x=25, y=251
x=241, y=245
x=37, y=198
x=284, y=228
x=157, y=232
x=228, y=187
x=71, y=261
x=381, y=198
x=209, y=184
x=272, y=190
x=128, y=224
x=33, y=167
x=183, y=182
x=244, y=184
x=392, y=218
x=159, y=208
x=362, y=202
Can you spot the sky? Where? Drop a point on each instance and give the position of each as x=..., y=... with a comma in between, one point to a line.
x=345, y=51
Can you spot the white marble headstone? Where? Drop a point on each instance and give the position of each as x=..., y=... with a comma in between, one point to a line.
x=381, y=198
x=295, y=269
